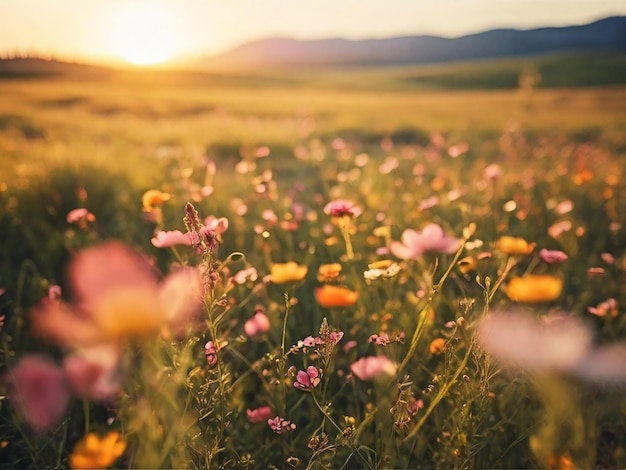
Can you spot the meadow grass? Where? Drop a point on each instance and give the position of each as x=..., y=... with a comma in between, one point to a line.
x=544, y=165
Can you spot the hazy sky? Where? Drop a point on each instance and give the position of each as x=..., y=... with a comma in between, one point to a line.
x=99, y=29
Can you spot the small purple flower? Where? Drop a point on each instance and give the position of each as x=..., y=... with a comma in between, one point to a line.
x=280, y=425
x=307, y=380
x=381, y=340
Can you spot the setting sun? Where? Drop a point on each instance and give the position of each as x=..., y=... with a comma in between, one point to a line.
x=146, y=34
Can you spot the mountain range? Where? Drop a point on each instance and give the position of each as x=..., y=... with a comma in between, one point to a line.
x=608, y=34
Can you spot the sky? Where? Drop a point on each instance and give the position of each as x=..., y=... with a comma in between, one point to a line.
x=152, y=31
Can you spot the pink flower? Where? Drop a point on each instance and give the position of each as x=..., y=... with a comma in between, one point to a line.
x=93, y=372
x=432, y=238
x=342, y=207
x=80, y=216
x=307, y=380
x=493, y=172
x=608, y=306
x=39, y=390
x=54, y=292
x=280, y=425
x=211, y=353
x=369, y=367
x=245, y=275
x=173, y=237
x=552, y=256
x=217, y=225
x=118, y=296
x=259, y=323
x=554, y=345
x=259, y=415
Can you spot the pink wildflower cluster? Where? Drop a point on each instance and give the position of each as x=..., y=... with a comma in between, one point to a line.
x=280, y=425
x=212, y=229
x=80, y=217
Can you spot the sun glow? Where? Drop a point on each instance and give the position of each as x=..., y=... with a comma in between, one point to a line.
x=146, y=33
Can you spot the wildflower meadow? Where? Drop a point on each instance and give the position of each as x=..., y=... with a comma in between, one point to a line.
x=311, y=277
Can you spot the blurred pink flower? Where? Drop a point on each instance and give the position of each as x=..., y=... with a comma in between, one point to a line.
x=431, y=238
x=118, y=296
x=259, y=323
x=217, y=225
x=369, y=367
x=38, y=389
x=245, y=275
x=260, y=414
x=493, y=172
x=552, y=256
x=93, y=372
x=551, y=345
x=170, y=238
x=54, y=292
x=342, y=207
x=80, y=216
x=458, y=149
x=608, y=306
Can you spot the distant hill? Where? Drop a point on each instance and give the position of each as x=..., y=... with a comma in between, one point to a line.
x=607, y=35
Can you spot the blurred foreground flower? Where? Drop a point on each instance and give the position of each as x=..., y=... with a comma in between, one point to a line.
x=39, y=390
x=534, y=288
x=432, y=238
x=95, y=452
x=558, y=344
x=282, y=273
x=514, y=245
x=259, y=323
x=371, y=366
x=117, y=296
x=329, y=296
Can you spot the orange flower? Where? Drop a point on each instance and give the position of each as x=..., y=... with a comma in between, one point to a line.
x=95, y=452
x=534, y=288
x=282, y=273
x=328, y=272
x=153, y=197
x=335, y=296
x=467, y=264
x=437, y=346
x=514, y=246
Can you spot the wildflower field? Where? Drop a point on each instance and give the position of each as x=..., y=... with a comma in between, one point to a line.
x=207, y=271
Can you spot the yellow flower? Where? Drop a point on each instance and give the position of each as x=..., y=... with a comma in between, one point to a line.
x=514, y=246
x=283, y=273
x=153, y=197
x=534, y=288
x=95, y=452
x=382, y=264
x=328, y=272
x=335, y=296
